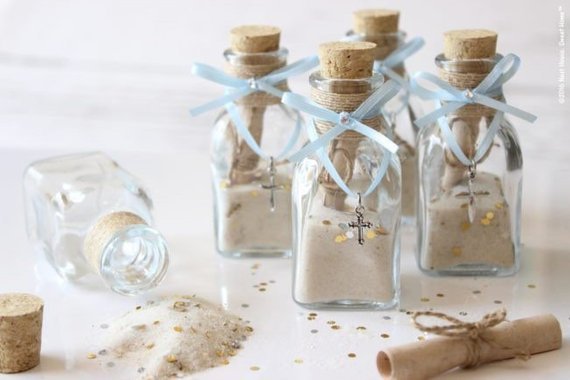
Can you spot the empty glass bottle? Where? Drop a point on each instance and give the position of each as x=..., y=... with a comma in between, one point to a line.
x=87, y=214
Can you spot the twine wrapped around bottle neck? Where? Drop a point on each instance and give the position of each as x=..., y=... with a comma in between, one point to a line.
x=256, y=66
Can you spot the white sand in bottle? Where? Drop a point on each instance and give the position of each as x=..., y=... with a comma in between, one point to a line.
x=249, y=225
x=332, y=266
x=173, y=337
x=451, y=240
x=409, y=188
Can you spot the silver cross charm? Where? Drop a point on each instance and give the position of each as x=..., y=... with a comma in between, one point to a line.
x=271, y=186
x=360, y=224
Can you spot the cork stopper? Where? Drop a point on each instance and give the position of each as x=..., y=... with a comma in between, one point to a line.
x=255, y=38
x=375, y=21
x=21, y=318
x=346, y=60
x=469, y=44
x=103, y=230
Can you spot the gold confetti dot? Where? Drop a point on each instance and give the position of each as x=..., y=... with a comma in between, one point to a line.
x=361, y=328
x=370, y=234
x=340, y=238
x=335, y=327
x=331, y=322
x=263, y=283
x=249, y=328
x=311, y=318
x=312, y=314
x=440, y=295
x=262, y=289
x=138, y=307
x=171, y=358
x=352, y=355
x=224, y=184
x=531, y=286
x=490, y=215
x=381, y=230
x=225, y=362
x=384, y=335
x=149, y=346
x=177, y=328
x=424, y=299
x=498, y=302
x=298, y=361
x=254, y=193
x=91, y=356
x=465, y=226
x=456, y=251
x=254, y=368
x=155, y=322
x=499, y=205
x=485, y=221
x=327, y=222
x=255, y=266
x=421, y=337
x=476, y=292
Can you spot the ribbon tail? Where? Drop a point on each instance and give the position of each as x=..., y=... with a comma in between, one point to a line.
x=215, y=75
x=318, y=143
x=302, y=104
x=294, y=68
x=371, y=106
x=384, y=141
x=220, y=102
x=438, y=113
x=243, y=131
x=489, y=137
x=504, y=107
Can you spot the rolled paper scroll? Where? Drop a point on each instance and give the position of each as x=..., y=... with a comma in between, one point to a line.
x=469, y=344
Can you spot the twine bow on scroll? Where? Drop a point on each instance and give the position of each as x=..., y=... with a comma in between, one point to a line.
x=473, y=332
x=342, y=122
x=455, y=98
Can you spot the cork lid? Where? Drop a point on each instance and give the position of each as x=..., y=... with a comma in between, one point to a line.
x=346, y=60
x=375, y=21
x=255, y=38
x=18, y=304
x=469, y=44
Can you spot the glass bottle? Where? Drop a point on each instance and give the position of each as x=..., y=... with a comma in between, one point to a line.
x=380, y=26
x=87, y=214
x=469, y=215
x=252, y=192
x=332, y=269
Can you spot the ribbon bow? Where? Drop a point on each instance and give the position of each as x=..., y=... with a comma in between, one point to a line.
x=237, y=87
x=483, y=94
x=345, y=121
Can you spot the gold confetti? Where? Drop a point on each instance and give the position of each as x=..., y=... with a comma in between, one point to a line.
x=155, y=322
x=335, y=327
x=224, y=184
x=262, y=289
x=424, y=299
x=464, y=205
x=499, y=205
x=421, y=337
x=149, y=346
x=370, y=234
x=384, y=335
x=312, y=314
x=485, y=221
x=91, y=356
x=440, y=295
x=298, y=361
x=361, y=328
x=340, y=238
x=138, y=307
x=171, y=358
x=381, y=230
x=465, y=226
x=531, y=286
x=225, y=362
x=352, y=355
x=177, y=328
x=331, y=322
x=248, y=328
x=254, y=368
x=327, y=222
x=490, y=215
x=456, y=251
x=255, y=266
x=311, y=318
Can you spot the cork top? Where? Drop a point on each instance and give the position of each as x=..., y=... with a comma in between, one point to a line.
x=346, y=60
x=375, y=21
x=469, y=44
x=19, y=304
x=255, y=38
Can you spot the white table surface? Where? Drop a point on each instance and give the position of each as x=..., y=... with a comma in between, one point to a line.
x=113, y=75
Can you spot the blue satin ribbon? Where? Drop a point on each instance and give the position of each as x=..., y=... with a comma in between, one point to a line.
x=345, y=121
x=482, y=94
x=237, y=88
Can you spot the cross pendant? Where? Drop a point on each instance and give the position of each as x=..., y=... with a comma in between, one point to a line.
x=360, y=224
x=272, y=186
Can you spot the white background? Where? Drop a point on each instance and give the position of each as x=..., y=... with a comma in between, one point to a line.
x=114, y=75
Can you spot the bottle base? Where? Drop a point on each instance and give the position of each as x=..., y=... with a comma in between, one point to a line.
x=472, y=270
x=350, y=305
x=256, y=253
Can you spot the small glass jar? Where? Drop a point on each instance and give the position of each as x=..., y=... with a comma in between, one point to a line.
x=469, y=216
x=252, y=193
x=331, y=268
x=87, y=214
x=401, y=111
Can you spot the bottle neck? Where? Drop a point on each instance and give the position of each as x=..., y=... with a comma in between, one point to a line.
x=130, y=256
